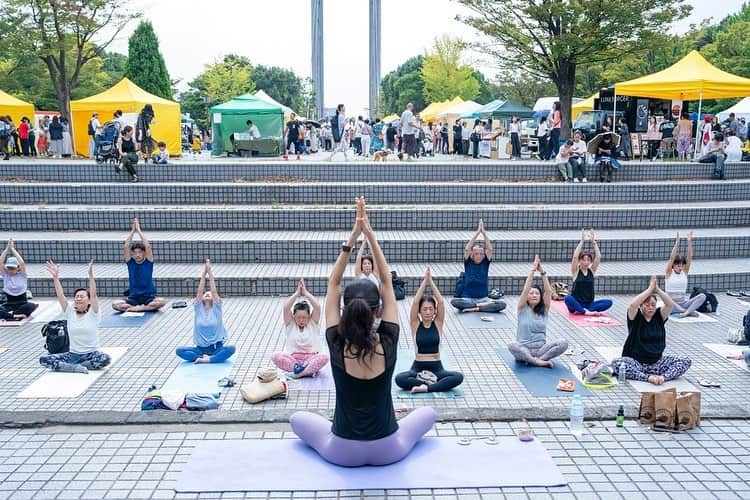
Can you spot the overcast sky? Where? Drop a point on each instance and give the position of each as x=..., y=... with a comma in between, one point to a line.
x=277, y=32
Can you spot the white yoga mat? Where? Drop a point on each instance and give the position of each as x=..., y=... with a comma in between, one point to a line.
x=290, y=465
x=681, y=384
x=69, y=385
x=725, y=350
x=701, y=318
x=48, y=310
x=745, y=303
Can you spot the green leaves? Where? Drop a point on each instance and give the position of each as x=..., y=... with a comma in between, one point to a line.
x=145, y=65
x=444, y=75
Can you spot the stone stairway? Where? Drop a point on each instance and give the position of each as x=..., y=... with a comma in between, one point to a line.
x=266, y=224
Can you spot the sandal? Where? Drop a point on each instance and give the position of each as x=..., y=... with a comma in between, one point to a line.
x=734, y=293
x=707, y=383
x=226, y=382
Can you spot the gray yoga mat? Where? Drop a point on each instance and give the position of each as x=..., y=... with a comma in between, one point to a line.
x=474, y=320
x=435, y=462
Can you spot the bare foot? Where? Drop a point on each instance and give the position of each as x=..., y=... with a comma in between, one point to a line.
x=656, y=379
x=419, y=388
x=203, y=359
x=686, y=314
x=593, y=313
x=544, y=363
x=137, y=308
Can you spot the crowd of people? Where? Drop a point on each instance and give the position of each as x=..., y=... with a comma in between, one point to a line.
x=362, y=336
x=50, y=138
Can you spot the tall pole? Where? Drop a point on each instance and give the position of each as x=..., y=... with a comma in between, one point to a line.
x=374, y=56
x=317, y=55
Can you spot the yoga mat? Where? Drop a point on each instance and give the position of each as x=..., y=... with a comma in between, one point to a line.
x=48, y=310
x=701, y=318
x=681, y=384
x=435, y=462
x=725, y=350
x=201, y=378
x=581, y=320
x=14, y=323
x=127, y=320
x=404, y=360
x=69, y=385
x=541, y=381
x=579, y=376
x=2, y=350
x=474, y=320
x=322, y=381
x=745, y=301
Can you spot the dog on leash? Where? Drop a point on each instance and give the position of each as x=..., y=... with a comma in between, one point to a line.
x=381, y=155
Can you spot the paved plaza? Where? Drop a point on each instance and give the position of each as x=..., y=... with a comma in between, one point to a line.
x=266, y=224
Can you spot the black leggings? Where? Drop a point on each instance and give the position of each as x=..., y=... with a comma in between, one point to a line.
x=446, y=380
x=16, y=305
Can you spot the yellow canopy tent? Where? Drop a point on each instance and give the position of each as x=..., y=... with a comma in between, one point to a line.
x=430, y=109
x=429, y=115
x=689, y=79
x=128, y=97
x=390, y=118
x=16, y=108
x=585, y=105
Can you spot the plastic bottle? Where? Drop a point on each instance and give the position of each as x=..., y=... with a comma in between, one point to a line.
x=576, y=415
x=621, y=373
x=620, y=419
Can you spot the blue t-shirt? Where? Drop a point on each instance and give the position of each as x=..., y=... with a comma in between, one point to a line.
x=209, y=328
x=141, y=279
x=476, y=280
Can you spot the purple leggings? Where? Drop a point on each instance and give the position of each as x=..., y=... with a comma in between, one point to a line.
x=315, y=431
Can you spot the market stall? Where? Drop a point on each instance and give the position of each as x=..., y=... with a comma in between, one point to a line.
x=230, y=118
x=16, y=108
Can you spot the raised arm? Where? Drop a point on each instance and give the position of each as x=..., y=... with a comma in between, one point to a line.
x=597, y=253
x=54, y=271
x=6, y=250
x=470, y=244
x=440, y=316
x=666, y=310
x=641, y=297
x=21, y=263
x=201, y=285
x=129, y=241
x=688, y=259
x=414, y=310
x=315, y=315
x=488, y=250
x=290, y=303
x=547, y=296
x=93, y=297
x=358, y=262
x=149, y=250
x=333, y=293
x=390, y=309
x=212, y=283
x=672, y=256
x=527, y=285
x=576, y=254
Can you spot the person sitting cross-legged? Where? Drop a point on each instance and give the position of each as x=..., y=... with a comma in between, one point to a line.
x=302, y=356
x=139, y=257
x=426, y=319
x=531, y=345
x=14, y=304
x=582, y=268
x=83, y=320
x=209, y=334
x=474, y=296
x=643, y=356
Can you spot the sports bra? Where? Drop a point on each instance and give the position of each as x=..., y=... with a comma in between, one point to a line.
x=428, y=339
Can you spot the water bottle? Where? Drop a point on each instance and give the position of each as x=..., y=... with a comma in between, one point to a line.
x=621, y=373
x=576, y=415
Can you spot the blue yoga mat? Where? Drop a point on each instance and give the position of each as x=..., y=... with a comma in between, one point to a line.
x=404, y=360
x=200, y=378
x=117, y=320
x=539, y=381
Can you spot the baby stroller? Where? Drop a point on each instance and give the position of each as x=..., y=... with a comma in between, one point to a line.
x=107, y=151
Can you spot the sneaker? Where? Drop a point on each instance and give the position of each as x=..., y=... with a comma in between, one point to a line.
x=576, y=180
x=298, y=368
x=585, y=180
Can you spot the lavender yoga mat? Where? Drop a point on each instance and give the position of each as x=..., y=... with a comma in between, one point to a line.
x=264, y=465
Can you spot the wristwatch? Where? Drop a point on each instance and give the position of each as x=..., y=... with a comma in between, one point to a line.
x=345, y=248
x=543, y=273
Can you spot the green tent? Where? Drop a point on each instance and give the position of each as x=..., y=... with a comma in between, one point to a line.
x=504, y=110
x=232, y=116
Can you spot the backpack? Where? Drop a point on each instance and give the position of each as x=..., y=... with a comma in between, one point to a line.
x=91, y=127
x=711, y=305
x=56, y=335
x=399, y=286
x=459, y=286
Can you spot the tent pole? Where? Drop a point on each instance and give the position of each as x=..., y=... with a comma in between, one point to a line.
x=614, y=110
x=697, y=128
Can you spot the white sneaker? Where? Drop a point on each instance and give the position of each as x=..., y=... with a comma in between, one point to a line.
x=585, y=180
x=575, y=179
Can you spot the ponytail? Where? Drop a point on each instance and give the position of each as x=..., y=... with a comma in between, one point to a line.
x=355, y=329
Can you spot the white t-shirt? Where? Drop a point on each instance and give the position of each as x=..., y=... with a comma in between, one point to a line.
x=515, y=127
x=82, y=330
x=96, y=125
x=254, y=132
x=579, y=147
x=14, y=284
x=307, y=340
x=465, y=133
x=406, y=118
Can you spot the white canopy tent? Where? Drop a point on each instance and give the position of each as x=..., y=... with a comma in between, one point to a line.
x=456, y=111
x=260, y=94
x=740, y=110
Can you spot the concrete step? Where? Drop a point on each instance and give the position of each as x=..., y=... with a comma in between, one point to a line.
x=406, y=246
x=421, y=171
x=181, y=280
x=407, y=216
x=342, y=193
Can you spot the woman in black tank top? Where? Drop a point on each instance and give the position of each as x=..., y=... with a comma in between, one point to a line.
x=426, y=320
x=364, y=430
x=582, y=268
x=127, y=147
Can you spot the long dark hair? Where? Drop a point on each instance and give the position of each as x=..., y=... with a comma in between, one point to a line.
x=354, y=333
x=540, y=308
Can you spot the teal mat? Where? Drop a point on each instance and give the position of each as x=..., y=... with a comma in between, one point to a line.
x=403, y=363
x=201, y=378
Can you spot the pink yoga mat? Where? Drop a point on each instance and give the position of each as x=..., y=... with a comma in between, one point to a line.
x=581, y=320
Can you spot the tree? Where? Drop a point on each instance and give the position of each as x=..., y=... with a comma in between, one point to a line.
x=488, y=91
x=225, y=79
x=192, y=102
x=65, y=35
x=402, y=86
x=281, y=84
x=523, y=88
x=146, y=67
x=551, y=38
x=443, y=74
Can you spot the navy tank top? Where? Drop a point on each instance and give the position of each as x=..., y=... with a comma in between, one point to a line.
x=583, y=287
x=428, y=339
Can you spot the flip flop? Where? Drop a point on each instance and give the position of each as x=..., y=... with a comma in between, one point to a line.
x=707, y=383
x=734, y=293
x=745, y=293
x=226, y=382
